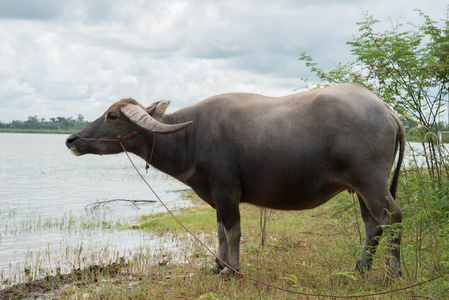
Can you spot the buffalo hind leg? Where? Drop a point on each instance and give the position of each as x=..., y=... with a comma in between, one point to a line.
x=373, y=232
x=387, y=213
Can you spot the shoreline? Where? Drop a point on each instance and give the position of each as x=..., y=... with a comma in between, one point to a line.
x=45, y=131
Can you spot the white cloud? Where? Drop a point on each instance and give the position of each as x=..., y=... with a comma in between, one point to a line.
x=78, y=57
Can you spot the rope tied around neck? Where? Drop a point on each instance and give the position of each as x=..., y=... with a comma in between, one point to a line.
x=120, y=138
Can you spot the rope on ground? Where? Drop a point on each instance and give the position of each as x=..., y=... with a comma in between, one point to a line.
x=239, y=274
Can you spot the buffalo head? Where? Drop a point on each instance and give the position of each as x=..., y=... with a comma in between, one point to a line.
x=122, y=118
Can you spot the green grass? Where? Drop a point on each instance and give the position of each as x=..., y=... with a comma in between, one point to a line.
x=309, y=251
x=198, y=219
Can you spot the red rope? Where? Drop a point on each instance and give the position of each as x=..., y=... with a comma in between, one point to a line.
x=239, y=274
x=118, y=139
x=147, y=165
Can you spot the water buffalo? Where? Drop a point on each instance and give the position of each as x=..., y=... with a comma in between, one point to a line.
x=292, y=153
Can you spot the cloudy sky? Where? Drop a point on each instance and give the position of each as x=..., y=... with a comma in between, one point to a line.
x=64, y=58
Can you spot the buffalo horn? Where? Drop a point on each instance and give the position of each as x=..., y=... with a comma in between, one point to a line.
x=141, y=118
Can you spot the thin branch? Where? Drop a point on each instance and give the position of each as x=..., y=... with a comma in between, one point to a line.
x=106, y=202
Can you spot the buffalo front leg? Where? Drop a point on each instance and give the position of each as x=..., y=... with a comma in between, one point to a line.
x=229, y=242
x=222, y=247
x=233, y=234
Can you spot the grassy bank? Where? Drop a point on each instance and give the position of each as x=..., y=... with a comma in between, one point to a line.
x=309, y=251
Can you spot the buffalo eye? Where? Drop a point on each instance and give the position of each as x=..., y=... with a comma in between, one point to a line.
x=112, y=116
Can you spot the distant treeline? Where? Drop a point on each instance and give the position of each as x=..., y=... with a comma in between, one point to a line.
x=53, y=125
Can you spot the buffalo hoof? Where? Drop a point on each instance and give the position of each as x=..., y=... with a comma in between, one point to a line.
x=394, y=270
x=362, y=267
x=215, y=269
x=393, y=273
x=226, y=274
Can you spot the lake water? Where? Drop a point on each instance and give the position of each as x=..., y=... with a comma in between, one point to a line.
x=44, y=191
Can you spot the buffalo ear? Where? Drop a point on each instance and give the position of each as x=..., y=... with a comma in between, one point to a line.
x=157, y=109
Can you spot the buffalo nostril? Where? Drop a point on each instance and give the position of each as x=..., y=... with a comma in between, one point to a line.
x=71, y=139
